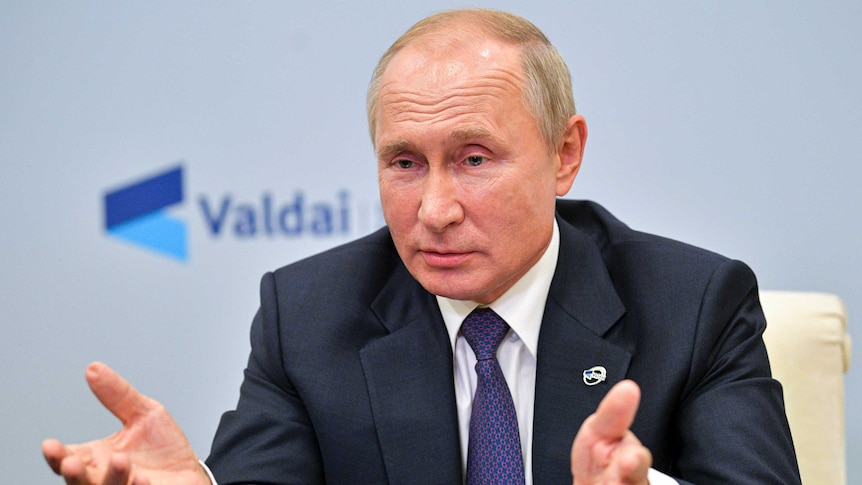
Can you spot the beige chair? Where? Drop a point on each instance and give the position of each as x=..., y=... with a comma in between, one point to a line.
x=809, y=351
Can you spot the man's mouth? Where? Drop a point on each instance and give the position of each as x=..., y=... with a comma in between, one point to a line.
x=443, y=258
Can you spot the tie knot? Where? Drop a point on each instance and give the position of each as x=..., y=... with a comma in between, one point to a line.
x=484, y=330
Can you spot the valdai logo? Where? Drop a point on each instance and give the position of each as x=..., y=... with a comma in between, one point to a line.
x=136, y=213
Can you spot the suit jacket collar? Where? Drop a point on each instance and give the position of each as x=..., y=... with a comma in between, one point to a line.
x=582, y=286
x=410, y=381
x=582, y=307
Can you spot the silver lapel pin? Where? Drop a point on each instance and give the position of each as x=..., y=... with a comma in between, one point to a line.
x=595, y=375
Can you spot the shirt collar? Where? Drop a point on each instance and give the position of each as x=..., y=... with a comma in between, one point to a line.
x=521, y=306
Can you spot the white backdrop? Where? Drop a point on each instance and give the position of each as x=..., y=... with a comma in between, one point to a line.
x=728, y=125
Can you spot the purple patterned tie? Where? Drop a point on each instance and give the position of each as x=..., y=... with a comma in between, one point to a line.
x=494, y=452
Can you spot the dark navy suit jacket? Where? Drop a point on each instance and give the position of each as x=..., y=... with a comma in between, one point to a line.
x=350, y=377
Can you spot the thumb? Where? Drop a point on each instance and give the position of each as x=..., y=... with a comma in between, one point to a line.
x=616, y=412
x=116, y=394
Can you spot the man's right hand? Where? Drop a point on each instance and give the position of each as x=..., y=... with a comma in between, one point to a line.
x=605, y=450
x=150, y=449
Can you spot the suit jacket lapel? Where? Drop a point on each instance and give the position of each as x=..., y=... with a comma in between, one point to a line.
x=582, y=306
x=410, y=381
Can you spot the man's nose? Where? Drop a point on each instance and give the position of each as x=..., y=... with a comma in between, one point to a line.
x=440, y=206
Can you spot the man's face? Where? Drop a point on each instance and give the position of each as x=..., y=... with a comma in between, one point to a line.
x=466, y=182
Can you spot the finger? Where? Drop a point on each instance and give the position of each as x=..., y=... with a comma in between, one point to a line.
x=118, y=470
x=54, y=452
x=116, y=394
x=631, y=460
x=72, y=469
x=140, y=481
x=616, y=412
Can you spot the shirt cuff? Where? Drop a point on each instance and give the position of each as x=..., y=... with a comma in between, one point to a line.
x=208, y=472
x=654, y=477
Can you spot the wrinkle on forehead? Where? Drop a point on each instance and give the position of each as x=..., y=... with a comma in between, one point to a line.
x=402, y=99
x=444, y=79
x=397, y=105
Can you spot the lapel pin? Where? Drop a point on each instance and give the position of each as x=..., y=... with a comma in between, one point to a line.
x=595, y=375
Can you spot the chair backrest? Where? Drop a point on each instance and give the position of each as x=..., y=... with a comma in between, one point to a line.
x=809, y=351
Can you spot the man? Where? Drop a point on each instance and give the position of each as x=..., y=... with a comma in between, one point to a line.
x=361, y=370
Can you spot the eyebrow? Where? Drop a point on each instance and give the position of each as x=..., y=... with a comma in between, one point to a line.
x=470, y=133
x=459, y=135
x=392, y=148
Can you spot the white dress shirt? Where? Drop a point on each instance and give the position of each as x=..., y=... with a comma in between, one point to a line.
x=522, y=307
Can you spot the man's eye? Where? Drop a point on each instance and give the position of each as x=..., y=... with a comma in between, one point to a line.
x=404, y=163
x=475, y=160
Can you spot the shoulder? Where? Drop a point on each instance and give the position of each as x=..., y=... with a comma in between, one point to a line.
x=374, y=249
x=621, y=246
x=358, y=269
x=611, y=236
x=640, y=262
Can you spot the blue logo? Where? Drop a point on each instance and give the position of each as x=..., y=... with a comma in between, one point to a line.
x=136, y=214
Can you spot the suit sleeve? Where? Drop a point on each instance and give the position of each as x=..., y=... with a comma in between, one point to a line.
x=731, y=424
x=269, y=438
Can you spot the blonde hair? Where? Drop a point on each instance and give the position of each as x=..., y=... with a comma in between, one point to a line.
x=547, y=89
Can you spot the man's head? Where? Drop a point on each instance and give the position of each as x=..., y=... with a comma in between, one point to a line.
x=547, y=87
x=474, y=143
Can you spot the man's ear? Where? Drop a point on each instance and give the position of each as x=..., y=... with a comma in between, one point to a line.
x=571, y=153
